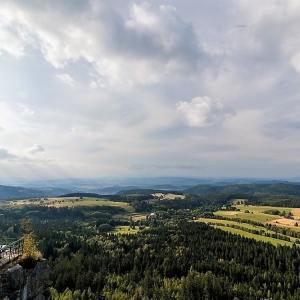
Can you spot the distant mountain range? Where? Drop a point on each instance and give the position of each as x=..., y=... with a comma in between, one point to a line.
x=106, y=186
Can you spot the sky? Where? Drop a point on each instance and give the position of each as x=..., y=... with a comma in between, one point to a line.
x=92, y=89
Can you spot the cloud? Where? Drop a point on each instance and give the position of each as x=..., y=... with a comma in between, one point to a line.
x=25, y=154
x=66, y=78
x=270, y=33
x=295, y=62
x=136, y=69
x=13, y=38
x=35, y=149
x=5, y=154
x=96, y=84
x=30, y=155
x=203, y=111
x=26, y=110
x=150, y=44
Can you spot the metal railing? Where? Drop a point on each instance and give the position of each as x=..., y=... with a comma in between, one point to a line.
x=11, y=251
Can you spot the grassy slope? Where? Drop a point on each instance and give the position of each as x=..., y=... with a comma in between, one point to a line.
x=86, y=201
x=255, y=213
x=275, y=242
x=244, y=233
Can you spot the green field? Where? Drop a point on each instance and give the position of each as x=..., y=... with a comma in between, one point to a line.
x=255, y=213
x=75, y=201
x=125, y=230
x=275, y=242
x=129, y=211
x=217, y=224
x=228, y=222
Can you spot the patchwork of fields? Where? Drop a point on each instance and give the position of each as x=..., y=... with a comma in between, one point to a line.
x=246, y=220
x=59, y=202
x=252, y=222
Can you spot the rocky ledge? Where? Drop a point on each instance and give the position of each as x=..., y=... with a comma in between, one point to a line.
x=23, y=283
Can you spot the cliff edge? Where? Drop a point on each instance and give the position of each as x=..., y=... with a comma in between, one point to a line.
x=19, y=283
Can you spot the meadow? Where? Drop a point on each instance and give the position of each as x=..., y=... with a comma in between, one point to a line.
x=74, y=202
x=126, y=230
x=128, y=212
x=224, y=225
x=273, y=241
x=254, y=214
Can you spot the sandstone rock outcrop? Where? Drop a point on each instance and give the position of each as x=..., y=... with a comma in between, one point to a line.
x=18, y=283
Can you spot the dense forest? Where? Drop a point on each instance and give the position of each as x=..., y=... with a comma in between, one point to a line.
x=169, y=257
x=183, y=261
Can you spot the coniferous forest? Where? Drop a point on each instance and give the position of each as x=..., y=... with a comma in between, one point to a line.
x=169, y=257
x=183, y=261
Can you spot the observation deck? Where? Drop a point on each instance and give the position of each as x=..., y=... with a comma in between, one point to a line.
x=11, y=250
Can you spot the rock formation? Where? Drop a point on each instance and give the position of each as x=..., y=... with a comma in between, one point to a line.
x=23, y=283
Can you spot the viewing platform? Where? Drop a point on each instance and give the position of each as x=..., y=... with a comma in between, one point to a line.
x=10, y=250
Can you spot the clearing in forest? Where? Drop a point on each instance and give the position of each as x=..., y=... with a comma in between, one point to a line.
x=254, y=213
x=244, y=228
x=174, y=196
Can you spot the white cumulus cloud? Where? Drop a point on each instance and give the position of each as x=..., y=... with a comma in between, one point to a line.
x=66, y=78
x=202, y=111
x=35, y=149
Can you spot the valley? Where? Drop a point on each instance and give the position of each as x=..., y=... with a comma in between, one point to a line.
x=226, y=242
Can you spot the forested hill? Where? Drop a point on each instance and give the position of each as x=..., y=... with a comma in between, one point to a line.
x=236, y=190
x=292, y=189
x=21, y=192
x=247, y=189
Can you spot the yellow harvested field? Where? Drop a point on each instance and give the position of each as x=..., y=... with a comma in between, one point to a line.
x=296, y=213
x=168, y=196
x=230, y=213
x=283, y=222
x=158, y=195
x=173, y=196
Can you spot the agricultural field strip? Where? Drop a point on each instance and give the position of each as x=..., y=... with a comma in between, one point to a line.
x=262, y=238
x=260, y=209
x=261, y=217
x=72, y=202
x=255, y=213
x=225, y=222
x=218, y=223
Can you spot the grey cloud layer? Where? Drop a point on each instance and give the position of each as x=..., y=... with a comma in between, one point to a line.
x=4, y=154
x=107, y=85
x=148, y=46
